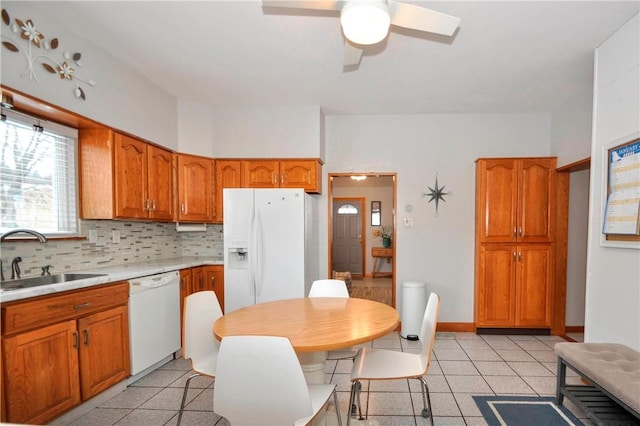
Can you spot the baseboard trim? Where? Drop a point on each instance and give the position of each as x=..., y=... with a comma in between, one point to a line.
x=574, y=329
x=462, y=327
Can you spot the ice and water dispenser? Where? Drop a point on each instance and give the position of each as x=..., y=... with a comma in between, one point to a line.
x=238, y=257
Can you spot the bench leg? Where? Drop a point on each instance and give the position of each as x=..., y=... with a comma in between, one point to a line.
x=560, y=381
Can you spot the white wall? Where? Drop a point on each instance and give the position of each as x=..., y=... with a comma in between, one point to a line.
x=571, y=128
x=122, y=98
x=613, y=276
x=438, y=249
x=255, y=132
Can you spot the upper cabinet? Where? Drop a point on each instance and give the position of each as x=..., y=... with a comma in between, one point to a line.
x=123, y=177
x=228, y=173
x=293, y=173
x=516, y=196
x=195, y=189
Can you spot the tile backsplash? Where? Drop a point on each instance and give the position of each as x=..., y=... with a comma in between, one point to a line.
x=138, y=242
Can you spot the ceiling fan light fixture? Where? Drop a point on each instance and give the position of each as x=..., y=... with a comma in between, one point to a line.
x=365, y=22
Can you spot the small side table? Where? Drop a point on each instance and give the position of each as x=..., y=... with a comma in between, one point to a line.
x=381, y=253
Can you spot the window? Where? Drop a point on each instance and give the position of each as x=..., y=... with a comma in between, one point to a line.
x=347, y=209
x=37, y=176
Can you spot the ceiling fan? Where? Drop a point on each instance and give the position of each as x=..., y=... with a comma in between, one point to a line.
x=366, y=22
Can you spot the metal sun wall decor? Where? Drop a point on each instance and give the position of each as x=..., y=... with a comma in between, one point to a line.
x=436, y=193
x=36, y=51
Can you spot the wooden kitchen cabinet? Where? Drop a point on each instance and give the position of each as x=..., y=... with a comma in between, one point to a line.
x=209, y=277
x=60, y=350
x=123, y=177
x=515, y=212
x=195, y=189
x=516, y=197
x=228, y=175
x=42, y=379
x=201, y=278
x=514, y=287
x=290, y=173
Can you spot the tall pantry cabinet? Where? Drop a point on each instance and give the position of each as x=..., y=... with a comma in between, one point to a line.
x=515, y=242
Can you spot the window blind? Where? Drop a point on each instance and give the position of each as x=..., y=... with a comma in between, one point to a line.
x=38, y=178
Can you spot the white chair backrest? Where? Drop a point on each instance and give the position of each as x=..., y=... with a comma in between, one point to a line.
x=201, y=310
x=260, y=382
x=428, y=328
x=328, y=288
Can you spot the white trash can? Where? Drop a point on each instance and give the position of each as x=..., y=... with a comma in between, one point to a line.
x=414, y=303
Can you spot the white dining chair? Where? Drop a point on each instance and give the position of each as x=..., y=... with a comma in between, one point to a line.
x=260, y=382
x=386, y=364
x=201, y=310
x=332, y=288
x=329, y=288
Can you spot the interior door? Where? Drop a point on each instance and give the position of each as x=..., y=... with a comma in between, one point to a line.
x=347, y=235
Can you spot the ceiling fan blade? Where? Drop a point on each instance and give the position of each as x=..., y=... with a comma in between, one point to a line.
x=421, y=19
x=352, y=55
x=304, y=4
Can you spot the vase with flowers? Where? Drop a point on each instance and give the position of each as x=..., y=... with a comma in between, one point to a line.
x=386, y=233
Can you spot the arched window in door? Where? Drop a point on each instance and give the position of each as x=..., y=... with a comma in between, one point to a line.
x=347, y=208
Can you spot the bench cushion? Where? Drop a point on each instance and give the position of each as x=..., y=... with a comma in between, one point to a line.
x=613, y=366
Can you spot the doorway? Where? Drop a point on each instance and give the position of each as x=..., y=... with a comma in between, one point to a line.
x=368, y=193
x=348, y=236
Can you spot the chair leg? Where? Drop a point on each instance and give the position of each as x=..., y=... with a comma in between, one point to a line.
x=335, y=402
x=426, y=400
x=184, y=396
x=352, y=396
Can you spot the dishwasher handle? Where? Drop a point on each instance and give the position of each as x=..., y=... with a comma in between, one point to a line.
x=155, y=280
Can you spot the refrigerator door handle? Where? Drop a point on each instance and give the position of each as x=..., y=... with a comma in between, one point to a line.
x=252, y=254
x=257, y=254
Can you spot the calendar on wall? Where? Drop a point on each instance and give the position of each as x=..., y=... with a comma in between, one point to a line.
x=622, y=211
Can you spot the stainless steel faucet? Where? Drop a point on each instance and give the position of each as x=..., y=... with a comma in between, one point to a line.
x=36, y=234
x=15, y=268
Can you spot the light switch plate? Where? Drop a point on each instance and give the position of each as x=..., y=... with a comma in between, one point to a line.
x=408, y=222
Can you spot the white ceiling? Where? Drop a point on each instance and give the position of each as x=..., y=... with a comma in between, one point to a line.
x=507, y=56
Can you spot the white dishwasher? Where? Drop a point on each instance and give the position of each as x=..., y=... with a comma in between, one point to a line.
x=154, y=319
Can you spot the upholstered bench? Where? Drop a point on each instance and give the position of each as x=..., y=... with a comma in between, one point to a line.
x=613, y=372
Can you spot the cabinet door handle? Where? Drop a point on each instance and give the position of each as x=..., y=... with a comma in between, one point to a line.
x=146, y=204
x=82, y=305
x=514, y=256
x=153, y=205
x=86, y=337
x=213, y=282
x=182, y=208
x=75, y=339
x=520, y=256
x=275, y=178
x=282, y=178
x=515, y=231
x=520, y=231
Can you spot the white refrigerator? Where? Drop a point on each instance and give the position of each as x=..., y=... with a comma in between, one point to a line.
x=270, y=245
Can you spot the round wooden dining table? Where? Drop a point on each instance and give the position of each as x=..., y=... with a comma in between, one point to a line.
x=314, y=325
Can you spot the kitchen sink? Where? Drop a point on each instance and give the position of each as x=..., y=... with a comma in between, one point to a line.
x=44, y=280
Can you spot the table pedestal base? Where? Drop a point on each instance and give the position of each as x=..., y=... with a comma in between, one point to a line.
x=312, y=364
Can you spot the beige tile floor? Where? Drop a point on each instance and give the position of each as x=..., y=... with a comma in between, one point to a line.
x=463, y=365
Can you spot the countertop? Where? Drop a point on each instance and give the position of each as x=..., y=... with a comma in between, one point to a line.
x=111, y=274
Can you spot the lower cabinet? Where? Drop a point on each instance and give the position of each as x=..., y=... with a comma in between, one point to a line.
x=52, y=368
x=201, y=278
x=514, y=286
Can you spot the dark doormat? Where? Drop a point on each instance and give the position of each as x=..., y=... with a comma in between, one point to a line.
x=524, y=411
